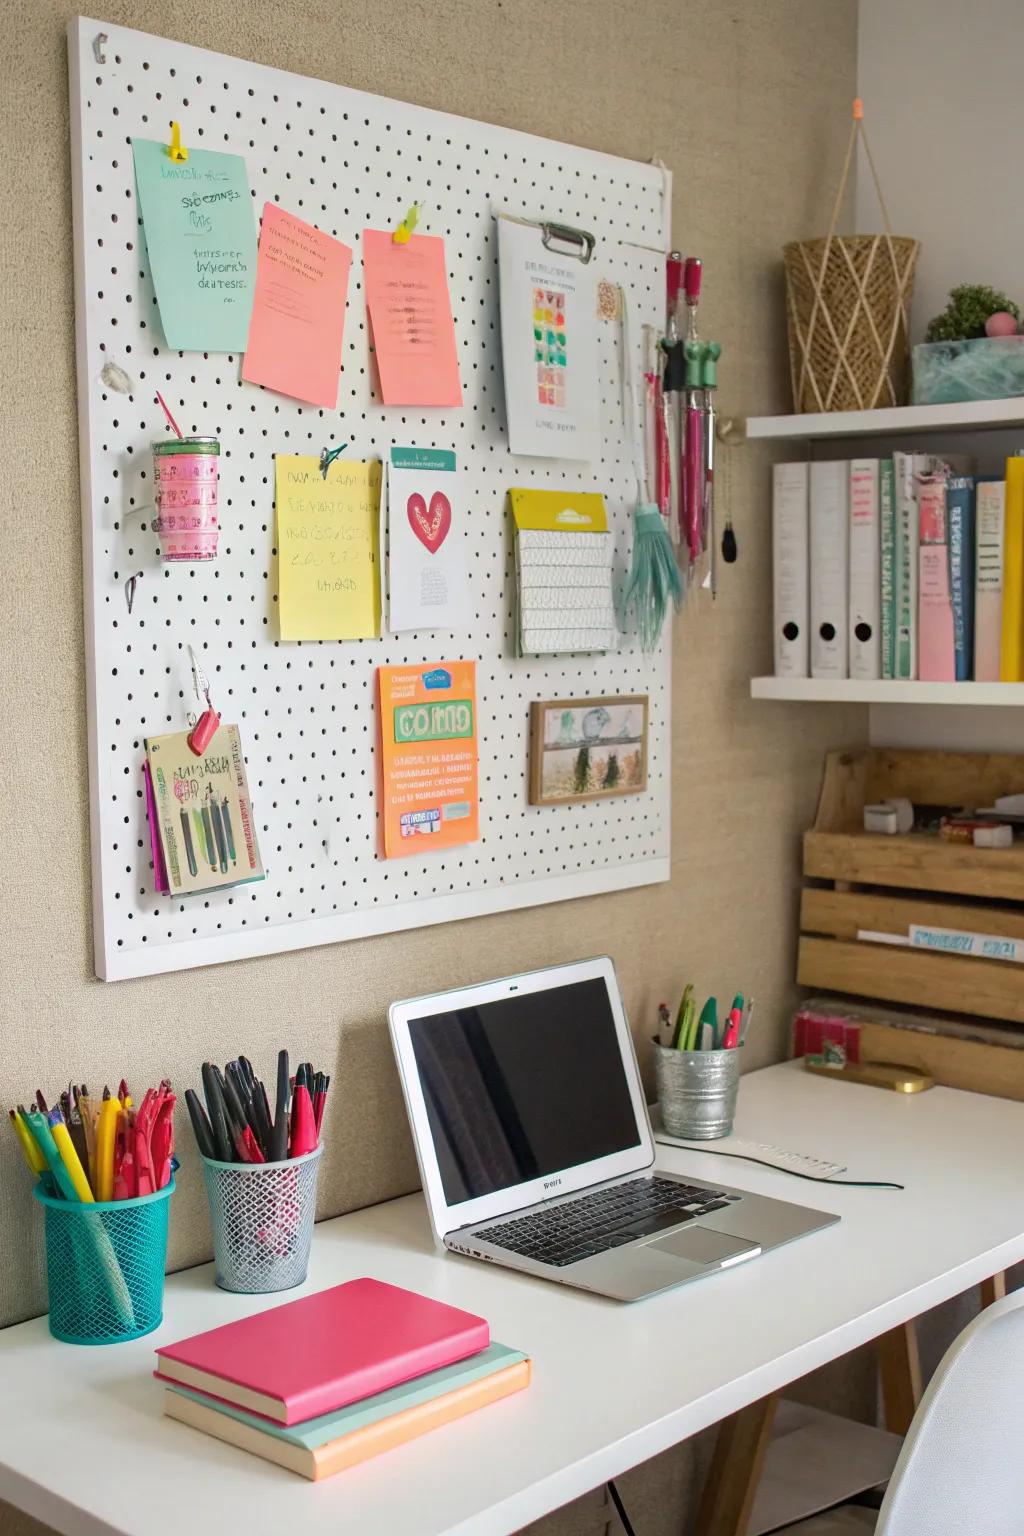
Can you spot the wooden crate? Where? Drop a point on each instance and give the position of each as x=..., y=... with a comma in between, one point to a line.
x=883, y=884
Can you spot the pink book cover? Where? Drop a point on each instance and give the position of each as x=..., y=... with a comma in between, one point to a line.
x=936, y=645
x=334, y=1348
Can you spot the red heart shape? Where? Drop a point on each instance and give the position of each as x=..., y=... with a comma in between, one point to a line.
x=430, y=527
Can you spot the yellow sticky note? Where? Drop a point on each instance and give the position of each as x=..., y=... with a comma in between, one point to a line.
x=328, y=554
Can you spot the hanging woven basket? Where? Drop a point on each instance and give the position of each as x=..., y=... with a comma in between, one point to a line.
x=847, y=301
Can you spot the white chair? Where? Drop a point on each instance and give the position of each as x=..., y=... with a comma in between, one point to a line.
x=961, y=1469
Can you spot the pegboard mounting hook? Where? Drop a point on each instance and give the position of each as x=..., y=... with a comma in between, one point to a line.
x=99, y=42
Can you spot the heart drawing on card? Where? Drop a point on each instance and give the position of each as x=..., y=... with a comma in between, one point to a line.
x=430, y=525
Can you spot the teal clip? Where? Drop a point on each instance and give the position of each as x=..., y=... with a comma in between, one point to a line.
x=328, y=456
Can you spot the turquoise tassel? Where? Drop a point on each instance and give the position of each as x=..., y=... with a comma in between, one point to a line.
x=654, y=577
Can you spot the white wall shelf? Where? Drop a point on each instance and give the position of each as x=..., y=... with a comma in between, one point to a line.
x=816, y=690
x=967, y=416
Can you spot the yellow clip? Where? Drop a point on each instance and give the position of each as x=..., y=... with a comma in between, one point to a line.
x=176, y=151
x=408, y=224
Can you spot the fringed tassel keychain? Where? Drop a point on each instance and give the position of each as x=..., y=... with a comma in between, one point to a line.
x=654, y=581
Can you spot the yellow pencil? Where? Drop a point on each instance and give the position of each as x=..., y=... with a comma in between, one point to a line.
x=70, y=1158
x=106, y=1132
x=33, y=1156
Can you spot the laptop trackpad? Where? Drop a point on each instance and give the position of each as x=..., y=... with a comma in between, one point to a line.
x=702, y=1246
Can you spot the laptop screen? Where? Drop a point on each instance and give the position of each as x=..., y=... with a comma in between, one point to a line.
x=522, y=1087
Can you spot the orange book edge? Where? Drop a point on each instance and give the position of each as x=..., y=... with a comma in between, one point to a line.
x=361, y=1444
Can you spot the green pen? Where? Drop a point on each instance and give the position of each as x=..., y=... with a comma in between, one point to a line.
x=683, y=1018
x=692, y=1027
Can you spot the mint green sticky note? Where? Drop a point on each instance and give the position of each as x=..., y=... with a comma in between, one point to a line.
x=201, y=239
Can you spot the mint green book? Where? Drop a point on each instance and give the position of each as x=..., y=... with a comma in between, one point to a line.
x=887, y=484
x=329, y=1443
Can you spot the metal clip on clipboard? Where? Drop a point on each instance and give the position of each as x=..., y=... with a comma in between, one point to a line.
x=561, y=239
x=559, y=236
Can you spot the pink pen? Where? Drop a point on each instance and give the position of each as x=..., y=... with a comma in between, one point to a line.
x=671, y=389
x=731, y=1035
x=693, y=448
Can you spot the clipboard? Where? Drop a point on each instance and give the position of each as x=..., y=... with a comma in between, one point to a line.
x=548, y=295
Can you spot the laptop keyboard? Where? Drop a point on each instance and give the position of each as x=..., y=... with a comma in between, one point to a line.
x=606, y=1218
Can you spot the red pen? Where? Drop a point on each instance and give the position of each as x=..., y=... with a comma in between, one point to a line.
x=249, y=1147
x=143, y=1144
x=161, y=1140
x=303, y=1137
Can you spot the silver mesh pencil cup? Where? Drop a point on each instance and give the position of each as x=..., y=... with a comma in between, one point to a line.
x=697, y=1091
x=262, y=1216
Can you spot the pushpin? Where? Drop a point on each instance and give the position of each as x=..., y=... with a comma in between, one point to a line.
x=408, y=224
x=176, y=150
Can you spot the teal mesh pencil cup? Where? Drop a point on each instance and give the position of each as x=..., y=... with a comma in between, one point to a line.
x=105, y=1266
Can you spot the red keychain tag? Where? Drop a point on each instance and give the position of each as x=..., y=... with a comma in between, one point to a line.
x=201, y=734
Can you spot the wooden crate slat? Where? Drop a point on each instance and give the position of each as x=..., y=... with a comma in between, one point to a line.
x=839, y=914
x=916, y=863
x=968, y=1064
x=992, y=989
x=945, y=778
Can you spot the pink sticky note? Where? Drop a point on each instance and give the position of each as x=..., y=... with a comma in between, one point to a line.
x=298, y=311
x=411, y=315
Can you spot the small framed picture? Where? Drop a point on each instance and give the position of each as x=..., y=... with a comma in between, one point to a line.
x=587, y=749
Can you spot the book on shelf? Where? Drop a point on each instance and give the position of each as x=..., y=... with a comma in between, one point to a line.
x=990, y=516
x=887, y=539
x=907, y=561
x=936, y=647
x=1011, y=662
x=960, y=518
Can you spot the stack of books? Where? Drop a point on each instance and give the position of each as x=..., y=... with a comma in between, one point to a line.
x=902, y=568
x=320, y=1384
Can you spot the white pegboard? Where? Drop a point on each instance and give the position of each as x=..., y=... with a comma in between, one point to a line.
x=343, y=160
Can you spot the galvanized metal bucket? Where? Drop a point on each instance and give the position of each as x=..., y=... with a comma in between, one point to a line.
x=262, y=1215
x=697, y=1091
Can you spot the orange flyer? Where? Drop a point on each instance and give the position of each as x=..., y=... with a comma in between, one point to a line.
x=428, y=757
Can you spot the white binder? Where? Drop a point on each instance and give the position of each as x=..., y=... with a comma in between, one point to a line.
x=790, y=555
x=865, y=616
x=830, y=564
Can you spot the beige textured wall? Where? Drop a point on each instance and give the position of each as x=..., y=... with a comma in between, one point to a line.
x=746, y=102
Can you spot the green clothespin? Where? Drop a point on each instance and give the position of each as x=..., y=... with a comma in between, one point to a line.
x=693, y=352
x=408, y=224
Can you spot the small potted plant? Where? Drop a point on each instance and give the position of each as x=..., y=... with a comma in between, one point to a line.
x=971, y=351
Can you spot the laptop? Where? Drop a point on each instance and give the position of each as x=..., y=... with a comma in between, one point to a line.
x=535, y=1148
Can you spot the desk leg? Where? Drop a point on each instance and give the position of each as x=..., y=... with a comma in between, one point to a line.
x=900, y=1367
x=728, y=1496
x=993, y=1289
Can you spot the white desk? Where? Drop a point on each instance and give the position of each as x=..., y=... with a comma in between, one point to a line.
x=84, y=1445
